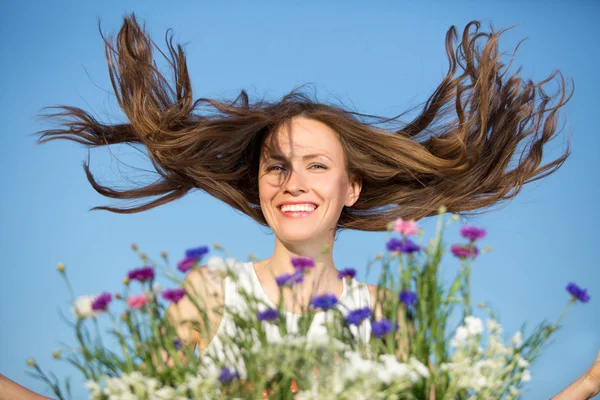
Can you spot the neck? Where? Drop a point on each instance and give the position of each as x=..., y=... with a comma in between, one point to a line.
x=320, y=279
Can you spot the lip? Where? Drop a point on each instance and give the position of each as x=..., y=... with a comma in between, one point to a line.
x=297, y=214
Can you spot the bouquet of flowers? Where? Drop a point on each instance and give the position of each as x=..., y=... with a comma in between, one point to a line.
x=413, y=351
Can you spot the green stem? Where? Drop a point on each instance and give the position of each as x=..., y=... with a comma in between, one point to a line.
x=122, y=343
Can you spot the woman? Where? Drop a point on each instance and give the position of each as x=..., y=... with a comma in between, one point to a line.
x=307, y=169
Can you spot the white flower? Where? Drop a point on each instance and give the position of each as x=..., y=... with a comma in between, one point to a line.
x=526, y=377
x=357, y=365
x=474, y=325
x=518, y=339
x=396, y=368
x=164, y=393
x=522, y=363
x=82, y=308
x=493, y=325
x=419, y=367
x=94, y=388
x=460, y=336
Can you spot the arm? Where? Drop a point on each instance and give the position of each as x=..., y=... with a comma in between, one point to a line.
x=208, y=292
x=585, y=387
x=10, y=390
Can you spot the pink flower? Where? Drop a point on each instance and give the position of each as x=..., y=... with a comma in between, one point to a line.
x=137, y=301
x=405, y=228
x=472, y=233
x=463, y=252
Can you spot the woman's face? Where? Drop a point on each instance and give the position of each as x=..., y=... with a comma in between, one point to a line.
x=306, y=207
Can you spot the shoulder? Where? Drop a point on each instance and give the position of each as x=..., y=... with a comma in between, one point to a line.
x=373, y=289
x=204, y=289
x=377, y=295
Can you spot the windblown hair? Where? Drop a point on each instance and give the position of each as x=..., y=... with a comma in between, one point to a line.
x=456, y=152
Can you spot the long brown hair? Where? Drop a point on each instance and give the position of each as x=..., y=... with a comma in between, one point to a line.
x=455, y=152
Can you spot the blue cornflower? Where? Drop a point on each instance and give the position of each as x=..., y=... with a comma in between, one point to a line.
x=347, y=272
x=228, y=375
x=270, y=314
x=408, y=298
x=402, y=246
x=177, y=344
x=381, y=328
x=578, y=293
x=325, y=301
x=197, y=252
x=355, y=317
x=289, y=279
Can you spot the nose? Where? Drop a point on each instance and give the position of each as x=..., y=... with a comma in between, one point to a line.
x=295, y=184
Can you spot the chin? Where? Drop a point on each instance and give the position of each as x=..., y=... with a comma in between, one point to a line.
x=300, y=236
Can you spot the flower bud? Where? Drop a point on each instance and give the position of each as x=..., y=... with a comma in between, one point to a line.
x=379, y=256
x=124, y=316
x=217, y=246
x=134, y=247
x=252, y=257
x=118, y=296
x=126, y=281
x=487, y=248
x=324, y=249
x=442, y=210
x=455, y=217
x=60, y=267
x=143, y=256
x=56, y=354
x=163, y=254
x=31, y=362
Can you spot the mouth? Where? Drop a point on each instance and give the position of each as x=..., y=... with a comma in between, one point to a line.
x=297, y=210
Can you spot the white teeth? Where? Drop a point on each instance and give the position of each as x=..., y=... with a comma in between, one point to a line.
x=297, y=207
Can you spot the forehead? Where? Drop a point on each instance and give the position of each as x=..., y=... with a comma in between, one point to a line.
x=302, y=136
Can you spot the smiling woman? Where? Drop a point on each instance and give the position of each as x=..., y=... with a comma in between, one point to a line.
x=307, y=169
x=304, y=189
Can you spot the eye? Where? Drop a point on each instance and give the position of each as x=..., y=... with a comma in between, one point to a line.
x=318, y=166
x=276, y=168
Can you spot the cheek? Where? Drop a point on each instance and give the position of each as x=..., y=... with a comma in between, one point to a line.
x=334, y=189
x=264, y=190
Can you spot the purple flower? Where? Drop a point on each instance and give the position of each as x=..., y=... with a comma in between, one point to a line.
x=381, y=328
x=302, y=263
x=347, y=272
x=472, y=233
x=402, y=246
x=289, y=279
x=100, y=303
x=187, y=263
x=141, y=274
x=173, y=295
x=227, y=375
x=408, y=298
x=355, y=317
x=578, y=293
x=461, y=251
x=270, y=314
x=325, y=301
x=196, y=253
x=177, y=344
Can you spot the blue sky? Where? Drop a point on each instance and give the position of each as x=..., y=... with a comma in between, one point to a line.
x=375, y=57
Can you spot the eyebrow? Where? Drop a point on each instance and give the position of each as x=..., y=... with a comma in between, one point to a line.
x=279, y=156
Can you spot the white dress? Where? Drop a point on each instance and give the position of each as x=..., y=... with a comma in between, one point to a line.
x=354, y=296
